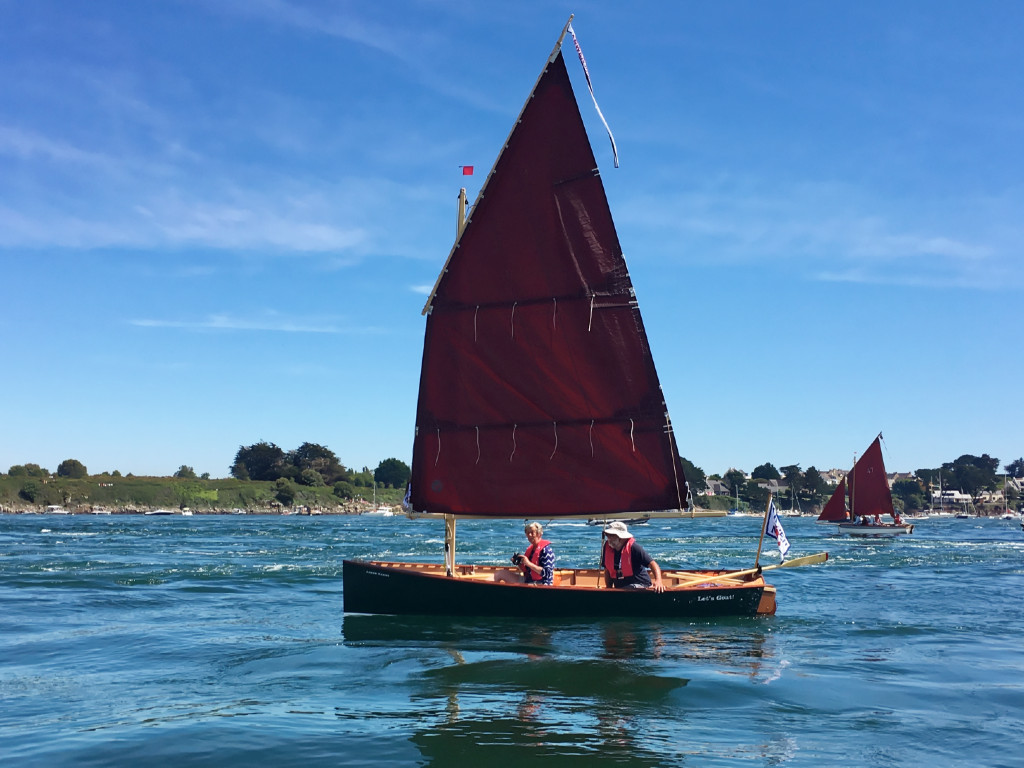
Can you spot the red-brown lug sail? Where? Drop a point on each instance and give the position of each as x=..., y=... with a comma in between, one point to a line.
x=538, y=393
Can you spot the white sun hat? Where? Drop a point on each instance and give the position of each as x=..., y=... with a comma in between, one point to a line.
x=618, y=528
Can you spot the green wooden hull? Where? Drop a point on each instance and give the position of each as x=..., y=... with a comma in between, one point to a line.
x=383, y=589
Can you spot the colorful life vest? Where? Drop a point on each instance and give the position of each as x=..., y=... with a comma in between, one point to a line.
x=625, y=569
x=533, y=555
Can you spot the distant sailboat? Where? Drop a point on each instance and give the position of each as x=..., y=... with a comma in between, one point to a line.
x=869, y=499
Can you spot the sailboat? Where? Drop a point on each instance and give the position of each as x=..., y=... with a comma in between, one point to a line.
x=538, y=394
x=869, y=497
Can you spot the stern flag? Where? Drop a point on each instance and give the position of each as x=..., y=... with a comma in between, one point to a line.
x=467, y=170
x=773, y=528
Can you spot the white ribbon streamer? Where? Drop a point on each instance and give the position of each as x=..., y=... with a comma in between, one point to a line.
x=586, y=74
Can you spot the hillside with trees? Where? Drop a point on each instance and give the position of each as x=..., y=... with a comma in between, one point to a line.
x=263, y=477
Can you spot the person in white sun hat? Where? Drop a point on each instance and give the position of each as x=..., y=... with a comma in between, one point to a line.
x=626, y=564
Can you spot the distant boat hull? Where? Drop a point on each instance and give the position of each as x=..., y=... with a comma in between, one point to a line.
x=424, y=589
x=627, y=520
x=891, y=529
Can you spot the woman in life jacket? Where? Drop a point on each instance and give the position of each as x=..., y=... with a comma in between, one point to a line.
x=536, y=566
x=626, y=563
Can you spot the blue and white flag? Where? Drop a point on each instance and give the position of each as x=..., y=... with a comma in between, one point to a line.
x=773, y=528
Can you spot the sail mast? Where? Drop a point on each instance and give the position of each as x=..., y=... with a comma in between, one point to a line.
x=460, y=221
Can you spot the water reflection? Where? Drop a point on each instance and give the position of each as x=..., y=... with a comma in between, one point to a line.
x=571, y=691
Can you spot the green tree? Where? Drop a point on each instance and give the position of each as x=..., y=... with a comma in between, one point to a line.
x=363, y=479
x=262, y=461
x=972, y=474
x=392, y=472
x=695, y=476
x=185, y=471
x=756, y=495
x=311, y=478
x=284, y=491
x=814, y=485
x=344, y=490
x=765, y=472
x=28, y=470
x=794, y=479
x=31, y=491
x=72, y=468
x=323, y=460
x=930, y=477
x=911, y=492
x=1015, y=469
x=734, y=480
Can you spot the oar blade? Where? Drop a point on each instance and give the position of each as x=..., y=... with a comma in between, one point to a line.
x=820, y=557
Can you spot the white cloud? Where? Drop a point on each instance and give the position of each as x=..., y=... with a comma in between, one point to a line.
x=29, y=145
x=834, y=232
x=269, y=321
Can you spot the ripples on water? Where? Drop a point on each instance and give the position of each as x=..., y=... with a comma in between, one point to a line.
x=221, y=641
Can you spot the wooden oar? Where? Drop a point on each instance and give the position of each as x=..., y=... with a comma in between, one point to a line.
x=820, y=557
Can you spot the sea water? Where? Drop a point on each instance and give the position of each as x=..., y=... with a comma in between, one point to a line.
x=132, y=640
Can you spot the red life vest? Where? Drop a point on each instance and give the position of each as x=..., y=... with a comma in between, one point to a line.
x=533, y=555
x=625, y=569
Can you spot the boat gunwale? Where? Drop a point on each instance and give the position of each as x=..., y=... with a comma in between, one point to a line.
x=484, y=574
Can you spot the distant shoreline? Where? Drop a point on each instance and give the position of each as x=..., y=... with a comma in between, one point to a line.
x=351, y=508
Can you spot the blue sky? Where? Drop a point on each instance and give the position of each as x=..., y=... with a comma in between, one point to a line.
x=219, y=218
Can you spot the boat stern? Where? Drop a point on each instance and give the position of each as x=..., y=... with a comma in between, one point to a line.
x=767, y=605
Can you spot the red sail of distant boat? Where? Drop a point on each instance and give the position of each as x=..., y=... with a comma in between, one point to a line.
x=835, y=509
x=538, y=393
x=869, y=489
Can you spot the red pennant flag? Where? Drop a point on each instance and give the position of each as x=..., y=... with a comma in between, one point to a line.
x=467, y=170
